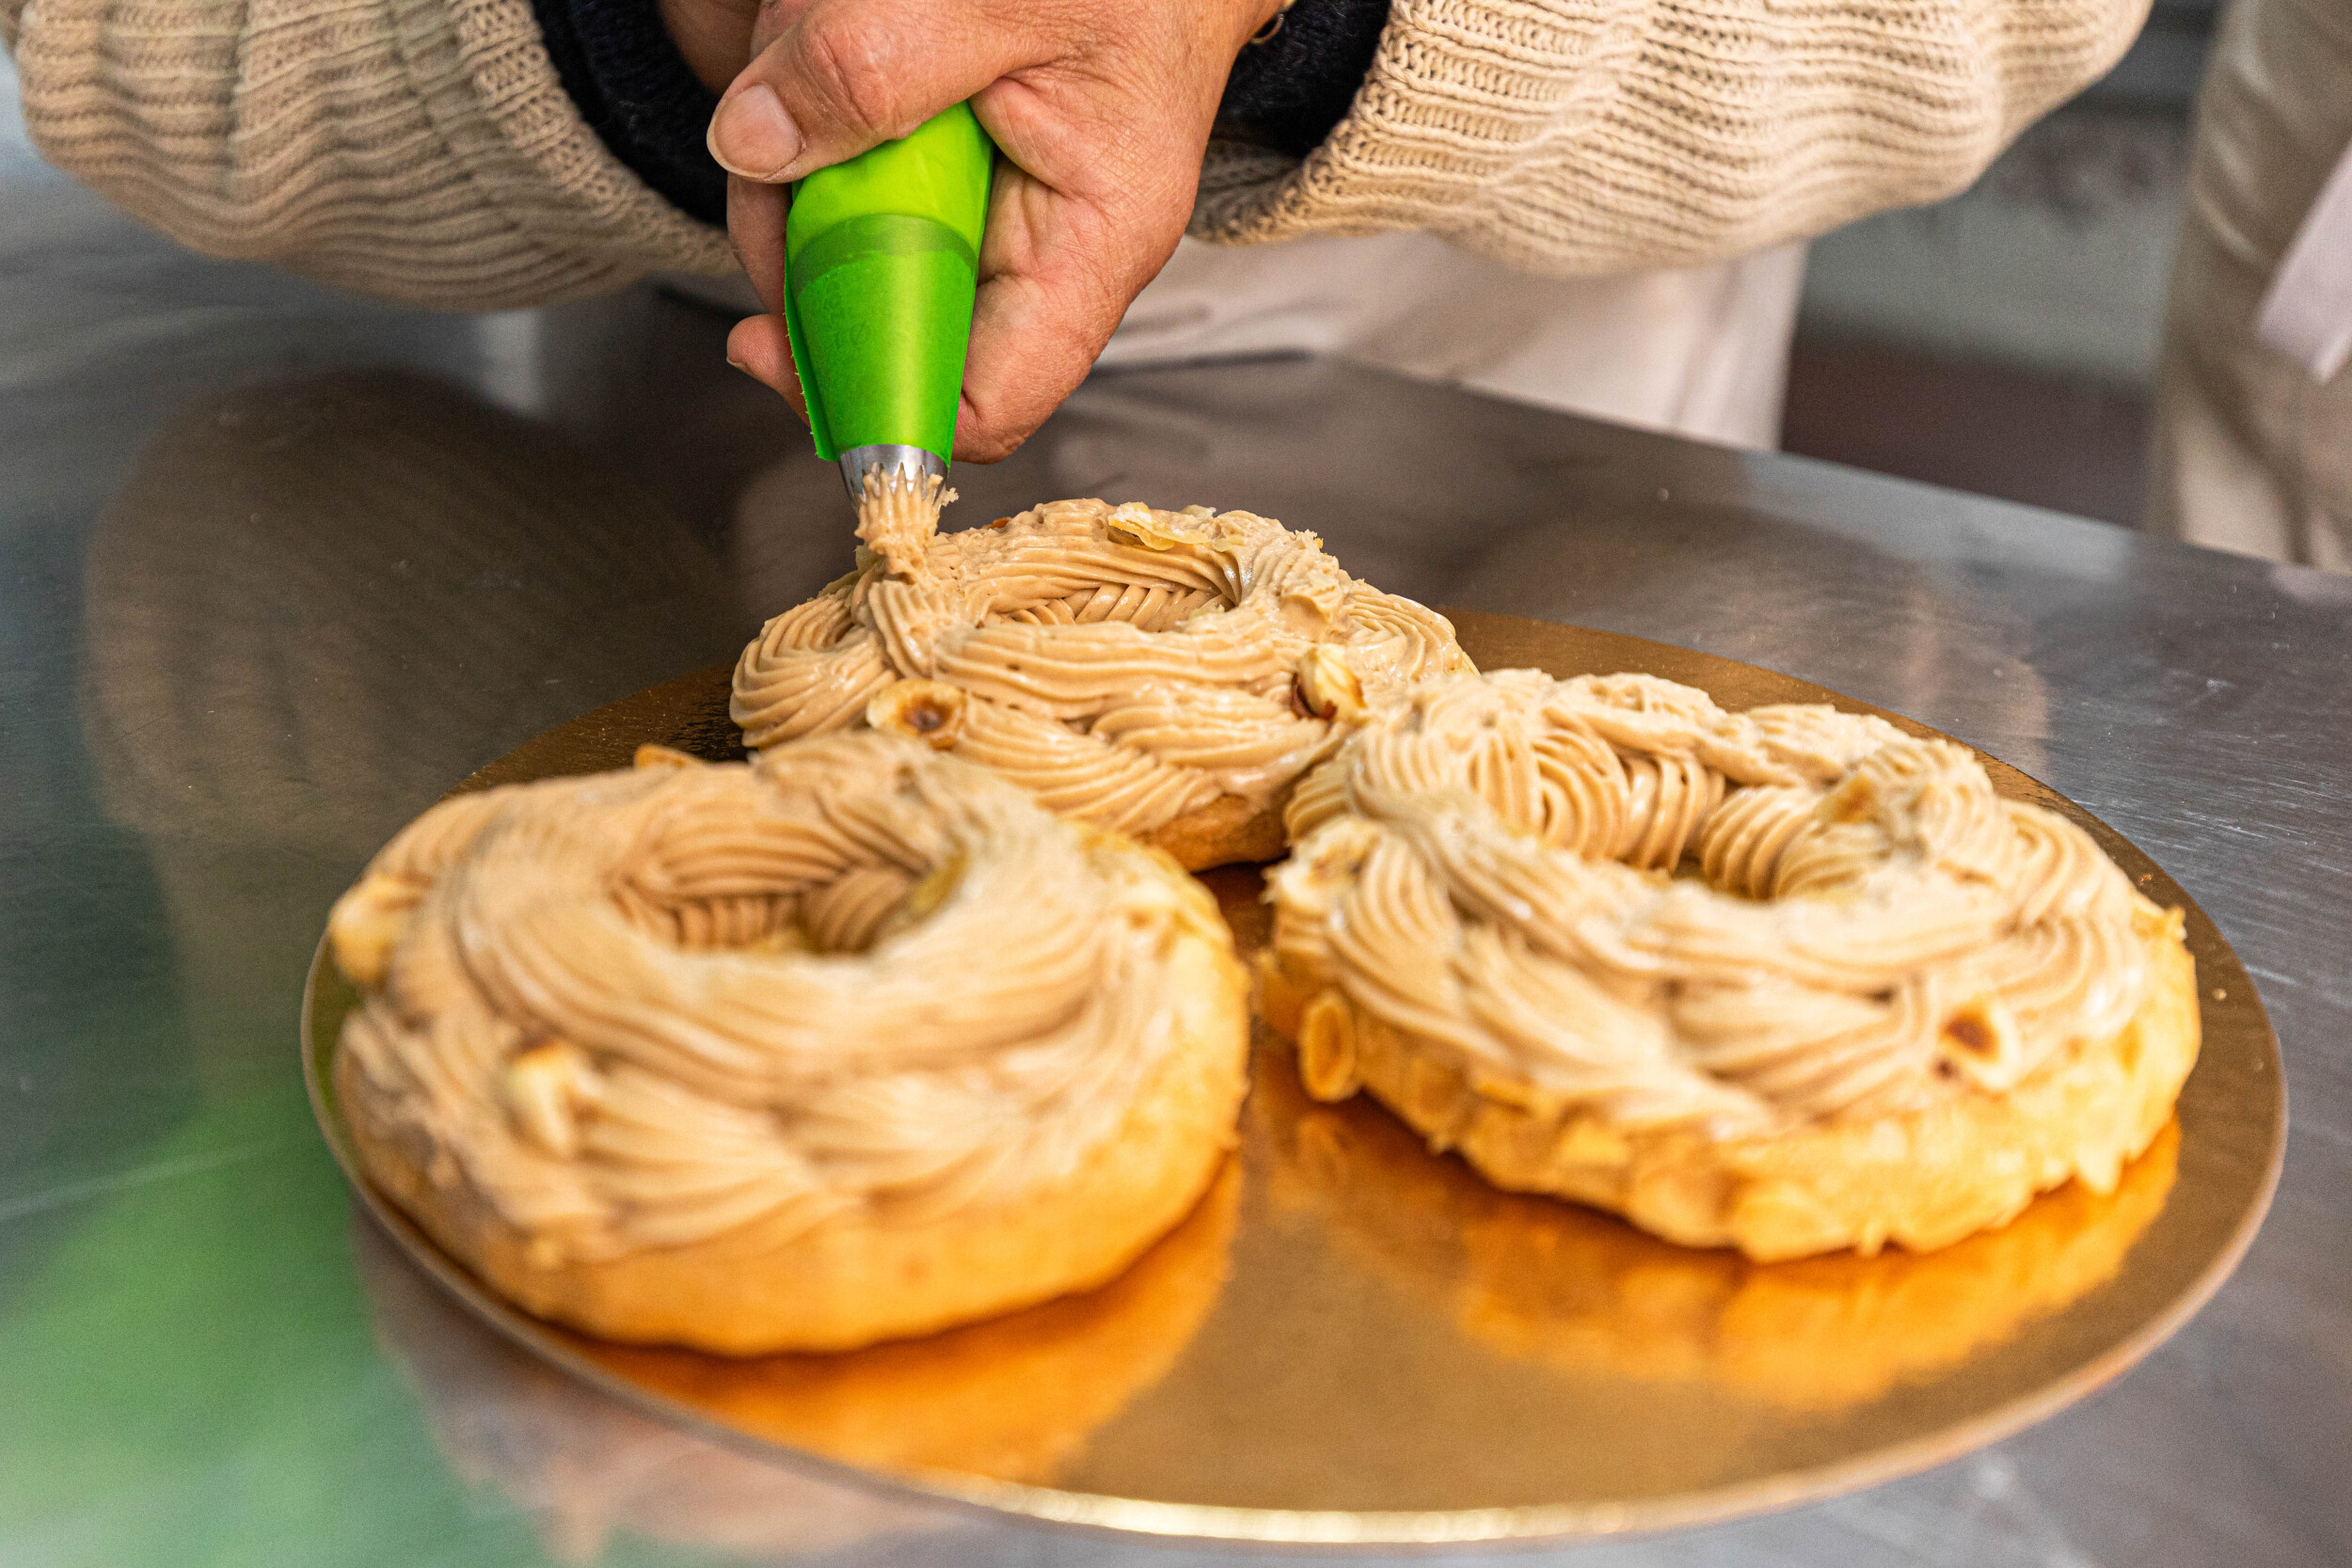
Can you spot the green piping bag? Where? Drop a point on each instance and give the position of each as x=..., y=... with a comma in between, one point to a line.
x=882, y=261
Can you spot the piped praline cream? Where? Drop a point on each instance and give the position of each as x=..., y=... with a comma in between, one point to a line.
x=1126, y=666
x=642, y=1009
x=1865, y=928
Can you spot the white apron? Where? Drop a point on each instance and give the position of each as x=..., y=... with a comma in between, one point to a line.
x=1698, y=350
x=2252, y=448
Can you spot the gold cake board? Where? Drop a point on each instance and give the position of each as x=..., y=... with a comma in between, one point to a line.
x=1353, y=1341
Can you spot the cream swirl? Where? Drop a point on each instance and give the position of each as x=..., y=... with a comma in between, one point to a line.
x=638, y=1009
x=1126, y=666
x=1869, y=926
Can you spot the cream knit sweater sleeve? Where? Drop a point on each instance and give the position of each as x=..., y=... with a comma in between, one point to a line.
x=421, y=149
x=424, y=150
x=1579, y=137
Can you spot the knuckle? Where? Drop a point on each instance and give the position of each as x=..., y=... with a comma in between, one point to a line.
x=850, y=73
x=984, y=440
x=994, y=446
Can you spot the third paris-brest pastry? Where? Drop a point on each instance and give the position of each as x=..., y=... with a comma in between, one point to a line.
x=1166, y=674
x=1883, y=1003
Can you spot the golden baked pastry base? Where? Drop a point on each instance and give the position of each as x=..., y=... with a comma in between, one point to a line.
x=1353, y=1342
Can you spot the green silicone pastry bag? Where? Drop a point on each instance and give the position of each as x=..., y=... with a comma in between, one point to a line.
x=881, y=260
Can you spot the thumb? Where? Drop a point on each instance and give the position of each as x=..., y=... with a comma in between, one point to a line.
x=845, y=76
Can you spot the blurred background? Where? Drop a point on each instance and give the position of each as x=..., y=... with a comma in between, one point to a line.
x=2004, y=341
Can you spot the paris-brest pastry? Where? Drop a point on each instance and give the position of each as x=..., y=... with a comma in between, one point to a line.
x=1882, y=1004
x=852, y=1042
x=1165, y=675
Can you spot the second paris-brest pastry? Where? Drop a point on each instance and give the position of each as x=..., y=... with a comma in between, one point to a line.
x=1166, y=674
x=852, y=1042
x=1882, y=1004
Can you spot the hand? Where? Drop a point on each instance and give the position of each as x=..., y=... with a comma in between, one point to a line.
x=714, y=36
x=1102, y=111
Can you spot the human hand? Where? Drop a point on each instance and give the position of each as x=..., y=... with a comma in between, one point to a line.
x=1102, y=111
x=714, y=36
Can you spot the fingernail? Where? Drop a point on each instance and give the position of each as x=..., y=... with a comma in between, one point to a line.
x=752, y=135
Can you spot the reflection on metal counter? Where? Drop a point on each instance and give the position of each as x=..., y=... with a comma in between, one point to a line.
x=583, y=1466
x=259, y=544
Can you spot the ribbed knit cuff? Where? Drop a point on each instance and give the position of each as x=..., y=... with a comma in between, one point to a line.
x=625, y=74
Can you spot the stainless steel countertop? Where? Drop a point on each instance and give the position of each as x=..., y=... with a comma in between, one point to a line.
x=281, y=565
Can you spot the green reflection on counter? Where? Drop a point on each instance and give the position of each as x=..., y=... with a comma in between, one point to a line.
x=193, y=1379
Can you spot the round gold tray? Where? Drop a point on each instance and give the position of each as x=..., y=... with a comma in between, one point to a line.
x=1351, y=1340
